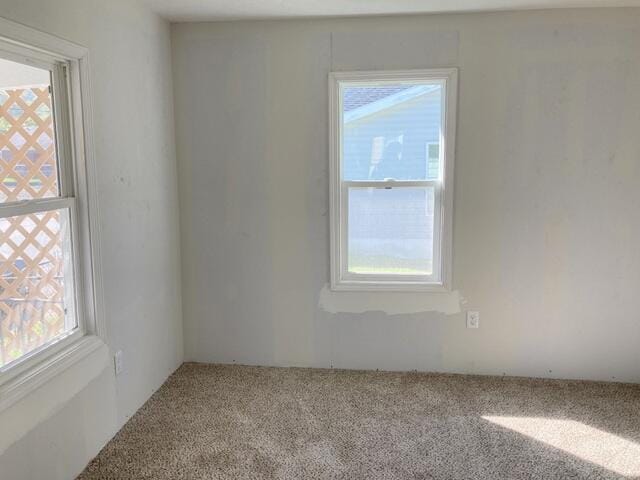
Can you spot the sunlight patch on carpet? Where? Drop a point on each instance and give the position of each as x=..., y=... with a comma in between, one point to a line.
x=605, y=449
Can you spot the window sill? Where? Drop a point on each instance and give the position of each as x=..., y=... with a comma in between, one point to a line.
x=360, y=286
x=49, y=368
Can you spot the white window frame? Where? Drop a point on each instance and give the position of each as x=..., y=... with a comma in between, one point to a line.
x=72, y=118
x=440, y=281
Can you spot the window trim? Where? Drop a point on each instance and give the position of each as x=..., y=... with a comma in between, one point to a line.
x=444, y=217
x=78, y=181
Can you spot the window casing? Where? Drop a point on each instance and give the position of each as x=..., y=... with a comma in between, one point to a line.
x=392, y=137
x=48, y=247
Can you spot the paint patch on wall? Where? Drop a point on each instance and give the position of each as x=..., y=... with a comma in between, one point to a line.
x=392, y=303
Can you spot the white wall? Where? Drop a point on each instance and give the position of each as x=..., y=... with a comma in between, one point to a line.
x=546, y=227
x=138, y=202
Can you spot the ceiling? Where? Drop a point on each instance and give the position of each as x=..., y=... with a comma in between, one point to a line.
x=208, y=10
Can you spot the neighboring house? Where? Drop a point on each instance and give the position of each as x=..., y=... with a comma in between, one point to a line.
x=373, y=150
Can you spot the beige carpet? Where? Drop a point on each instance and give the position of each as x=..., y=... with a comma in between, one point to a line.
x=232, y=422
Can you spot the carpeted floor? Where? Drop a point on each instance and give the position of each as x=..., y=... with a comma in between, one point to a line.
x=233, y=422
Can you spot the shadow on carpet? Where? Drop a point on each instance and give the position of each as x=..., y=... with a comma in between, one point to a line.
x=235, y=422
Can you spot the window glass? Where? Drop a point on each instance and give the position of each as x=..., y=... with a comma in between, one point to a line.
x=36, y=275
x=36, y=282
x=386, y=129
x=28, y=165
x=390, y=230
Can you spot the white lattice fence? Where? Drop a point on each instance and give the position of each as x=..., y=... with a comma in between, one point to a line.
x=31, y=286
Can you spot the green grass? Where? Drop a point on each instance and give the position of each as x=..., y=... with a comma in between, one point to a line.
x=388, y=265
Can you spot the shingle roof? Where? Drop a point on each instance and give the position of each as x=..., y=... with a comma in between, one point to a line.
x=355, y=97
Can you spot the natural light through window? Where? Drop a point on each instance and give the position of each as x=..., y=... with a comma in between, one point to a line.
x=37, y=279
x=588, y=443
x=392, y=166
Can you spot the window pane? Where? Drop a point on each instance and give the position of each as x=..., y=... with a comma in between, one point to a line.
x=387, y=131
x=27, y=143
x=391, y=230
x=36, y=282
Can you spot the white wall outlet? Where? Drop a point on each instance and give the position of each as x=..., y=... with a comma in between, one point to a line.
x=473, y=319
x=118, y=362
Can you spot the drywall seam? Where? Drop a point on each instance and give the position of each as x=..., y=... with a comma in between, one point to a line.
x=391, y=303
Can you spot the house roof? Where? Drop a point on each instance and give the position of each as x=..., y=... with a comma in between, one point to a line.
x=359, y=102
x=354, y=97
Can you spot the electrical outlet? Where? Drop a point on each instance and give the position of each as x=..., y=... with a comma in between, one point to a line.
x=118, y=361
x=473, y=319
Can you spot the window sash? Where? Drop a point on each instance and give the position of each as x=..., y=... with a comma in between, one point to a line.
x=26, y=207
x=61, y=108
x=390, y=183
x=61, y=104
x=27, y=360
x=377, y=278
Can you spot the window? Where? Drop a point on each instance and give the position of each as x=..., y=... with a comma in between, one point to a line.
x=47, y=265
x=392, y=141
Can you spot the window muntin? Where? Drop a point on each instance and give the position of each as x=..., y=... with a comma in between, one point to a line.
x=391, y=178
x=37, y=211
